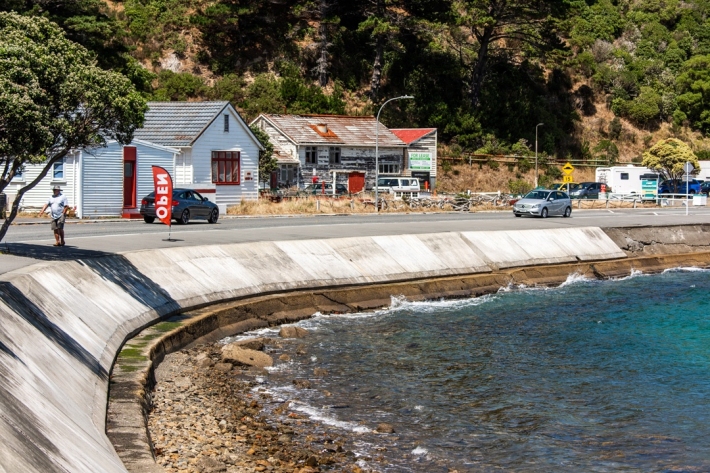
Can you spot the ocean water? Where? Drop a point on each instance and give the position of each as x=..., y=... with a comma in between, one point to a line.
x=598, y=376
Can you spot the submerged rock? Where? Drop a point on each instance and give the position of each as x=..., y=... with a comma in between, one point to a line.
x=385, y=428
x=291, y=331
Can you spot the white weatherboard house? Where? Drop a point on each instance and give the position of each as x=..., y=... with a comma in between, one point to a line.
x=205, y=146
x=420, y=156
x=331, y=146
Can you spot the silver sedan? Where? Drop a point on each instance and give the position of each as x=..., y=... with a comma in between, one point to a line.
x=542, y=202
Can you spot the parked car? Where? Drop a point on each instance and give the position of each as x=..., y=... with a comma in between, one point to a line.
x=587, y=190
x=543, y=202
x=318, y=188
x=562, y=186
x=187, y=205
x=675, y=186
x=705, y=188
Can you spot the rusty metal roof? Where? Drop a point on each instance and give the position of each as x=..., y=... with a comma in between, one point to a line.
x=410, y=135
x=340, y=130
x=177, y=123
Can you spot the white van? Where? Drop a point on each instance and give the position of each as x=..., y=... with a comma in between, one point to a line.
x=407, y=187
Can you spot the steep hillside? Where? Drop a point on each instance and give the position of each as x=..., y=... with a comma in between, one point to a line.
x=607, y=78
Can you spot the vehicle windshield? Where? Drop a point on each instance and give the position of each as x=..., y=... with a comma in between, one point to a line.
x=537, y=195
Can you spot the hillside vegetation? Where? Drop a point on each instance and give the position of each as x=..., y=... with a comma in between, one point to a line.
x=607, y=78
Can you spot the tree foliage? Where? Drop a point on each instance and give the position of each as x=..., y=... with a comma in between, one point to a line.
x=667, y=157
x=55, y=99
x=267, y=161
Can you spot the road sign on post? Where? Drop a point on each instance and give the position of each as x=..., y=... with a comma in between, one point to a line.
x=567, y=169
x=567, y=179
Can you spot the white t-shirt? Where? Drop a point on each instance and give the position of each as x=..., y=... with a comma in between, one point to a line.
x=56, y=205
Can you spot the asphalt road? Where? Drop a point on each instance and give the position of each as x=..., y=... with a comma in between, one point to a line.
x=28, y=244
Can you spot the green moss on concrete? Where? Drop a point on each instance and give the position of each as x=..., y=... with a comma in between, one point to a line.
x=167, y=326
x=130, y=353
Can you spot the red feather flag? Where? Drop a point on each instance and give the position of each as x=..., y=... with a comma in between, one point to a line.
x=163, y=194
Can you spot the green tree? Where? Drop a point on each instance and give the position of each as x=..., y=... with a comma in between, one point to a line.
x=694, y=88
x=667, y=157
x=521, y=28
x=267, y=162
x=88, y=23
x=179, y=86
x=55, y=99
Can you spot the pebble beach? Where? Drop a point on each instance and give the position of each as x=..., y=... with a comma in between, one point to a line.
x=208, y=416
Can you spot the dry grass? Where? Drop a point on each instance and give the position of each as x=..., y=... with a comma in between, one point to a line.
x=325, y=205
x=463, y=177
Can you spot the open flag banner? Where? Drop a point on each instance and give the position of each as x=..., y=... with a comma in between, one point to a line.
x=163, y=195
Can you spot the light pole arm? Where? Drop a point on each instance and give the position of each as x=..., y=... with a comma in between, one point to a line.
x=377, y=145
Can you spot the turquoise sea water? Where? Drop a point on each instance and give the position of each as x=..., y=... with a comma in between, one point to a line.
x=589, y=376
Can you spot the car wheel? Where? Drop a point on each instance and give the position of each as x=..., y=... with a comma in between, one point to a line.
x=543, y=214
x=691, y=192
x=568, y=212
x=214, y=215
x=149, y=219
x=184, y=217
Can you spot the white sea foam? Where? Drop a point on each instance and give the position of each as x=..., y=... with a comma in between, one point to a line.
x=418, y=408
x=420, y=451
x=688, y=269
x=575, y=278
x=321, y=415
x=262, y=332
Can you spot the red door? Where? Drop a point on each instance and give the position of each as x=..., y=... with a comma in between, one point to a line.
x=356, y=182
x=129, y=177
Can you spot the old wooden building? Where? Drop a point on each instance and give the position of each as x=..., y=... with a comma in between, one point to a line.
x=331, y=148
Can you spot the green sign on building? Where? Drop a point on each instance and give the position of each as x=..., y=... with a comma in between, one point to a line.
x=420, y=161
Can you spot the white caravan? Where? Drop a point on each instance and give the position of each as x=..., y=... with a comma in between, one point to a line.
x=624, y=179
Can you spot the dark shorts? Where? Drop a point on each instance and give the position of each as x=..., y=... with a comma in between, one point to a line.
x=58, y=223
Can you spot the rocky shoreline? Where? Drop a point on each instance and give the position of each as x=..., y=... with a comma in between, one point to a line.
x=208, y=416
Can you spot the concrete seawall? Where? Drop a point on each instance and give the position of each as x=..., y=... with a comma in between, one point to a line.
x=63, y=323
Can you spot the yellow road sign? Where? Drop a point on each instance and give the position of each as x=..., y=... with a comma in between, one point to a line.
x=567, y=179
x=567, y=169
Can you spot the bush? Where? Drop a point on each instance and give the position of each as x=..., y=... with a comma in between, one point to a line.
x=178, y=86
x=554, y=172
x=615, y=128
x=519, y=187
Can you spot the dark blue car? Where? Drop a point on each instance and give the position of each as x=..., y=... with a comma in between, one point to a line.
x=187, y=205
x=675, y=186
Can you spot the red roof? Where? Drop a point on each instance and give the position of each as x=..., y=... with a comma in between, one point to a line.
x=410, y=135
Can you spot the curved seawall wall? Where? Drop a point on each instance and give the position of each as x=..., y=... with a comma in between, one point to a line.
x=64, y=322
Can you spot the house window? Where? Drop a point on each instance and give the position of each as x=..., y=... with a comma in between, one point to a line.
x=334, y=155
x=226, y=123
x=311, y=155
x=58, y=170
x=386, y=168
x=225, y=167
x=18, y=175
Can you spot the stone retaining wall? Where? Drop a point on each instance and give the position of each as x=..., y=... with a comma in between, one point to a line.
x=63, y=323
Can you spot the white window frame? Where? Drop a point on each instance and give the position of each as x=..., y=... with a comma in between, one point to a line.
x=59, y=166
x=389, y=168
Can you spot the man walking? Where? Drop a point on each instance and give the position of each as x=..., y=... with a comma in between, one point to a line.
x=58, y=209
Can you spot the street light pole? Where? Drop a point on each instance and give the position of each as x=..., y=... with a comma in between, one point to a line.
x=377, y=145
x=539, y=124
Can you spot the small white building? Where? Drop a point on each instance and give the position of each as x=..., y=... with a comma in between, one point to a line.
x=309, y=147
x=205, y=146
x=420, y=156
